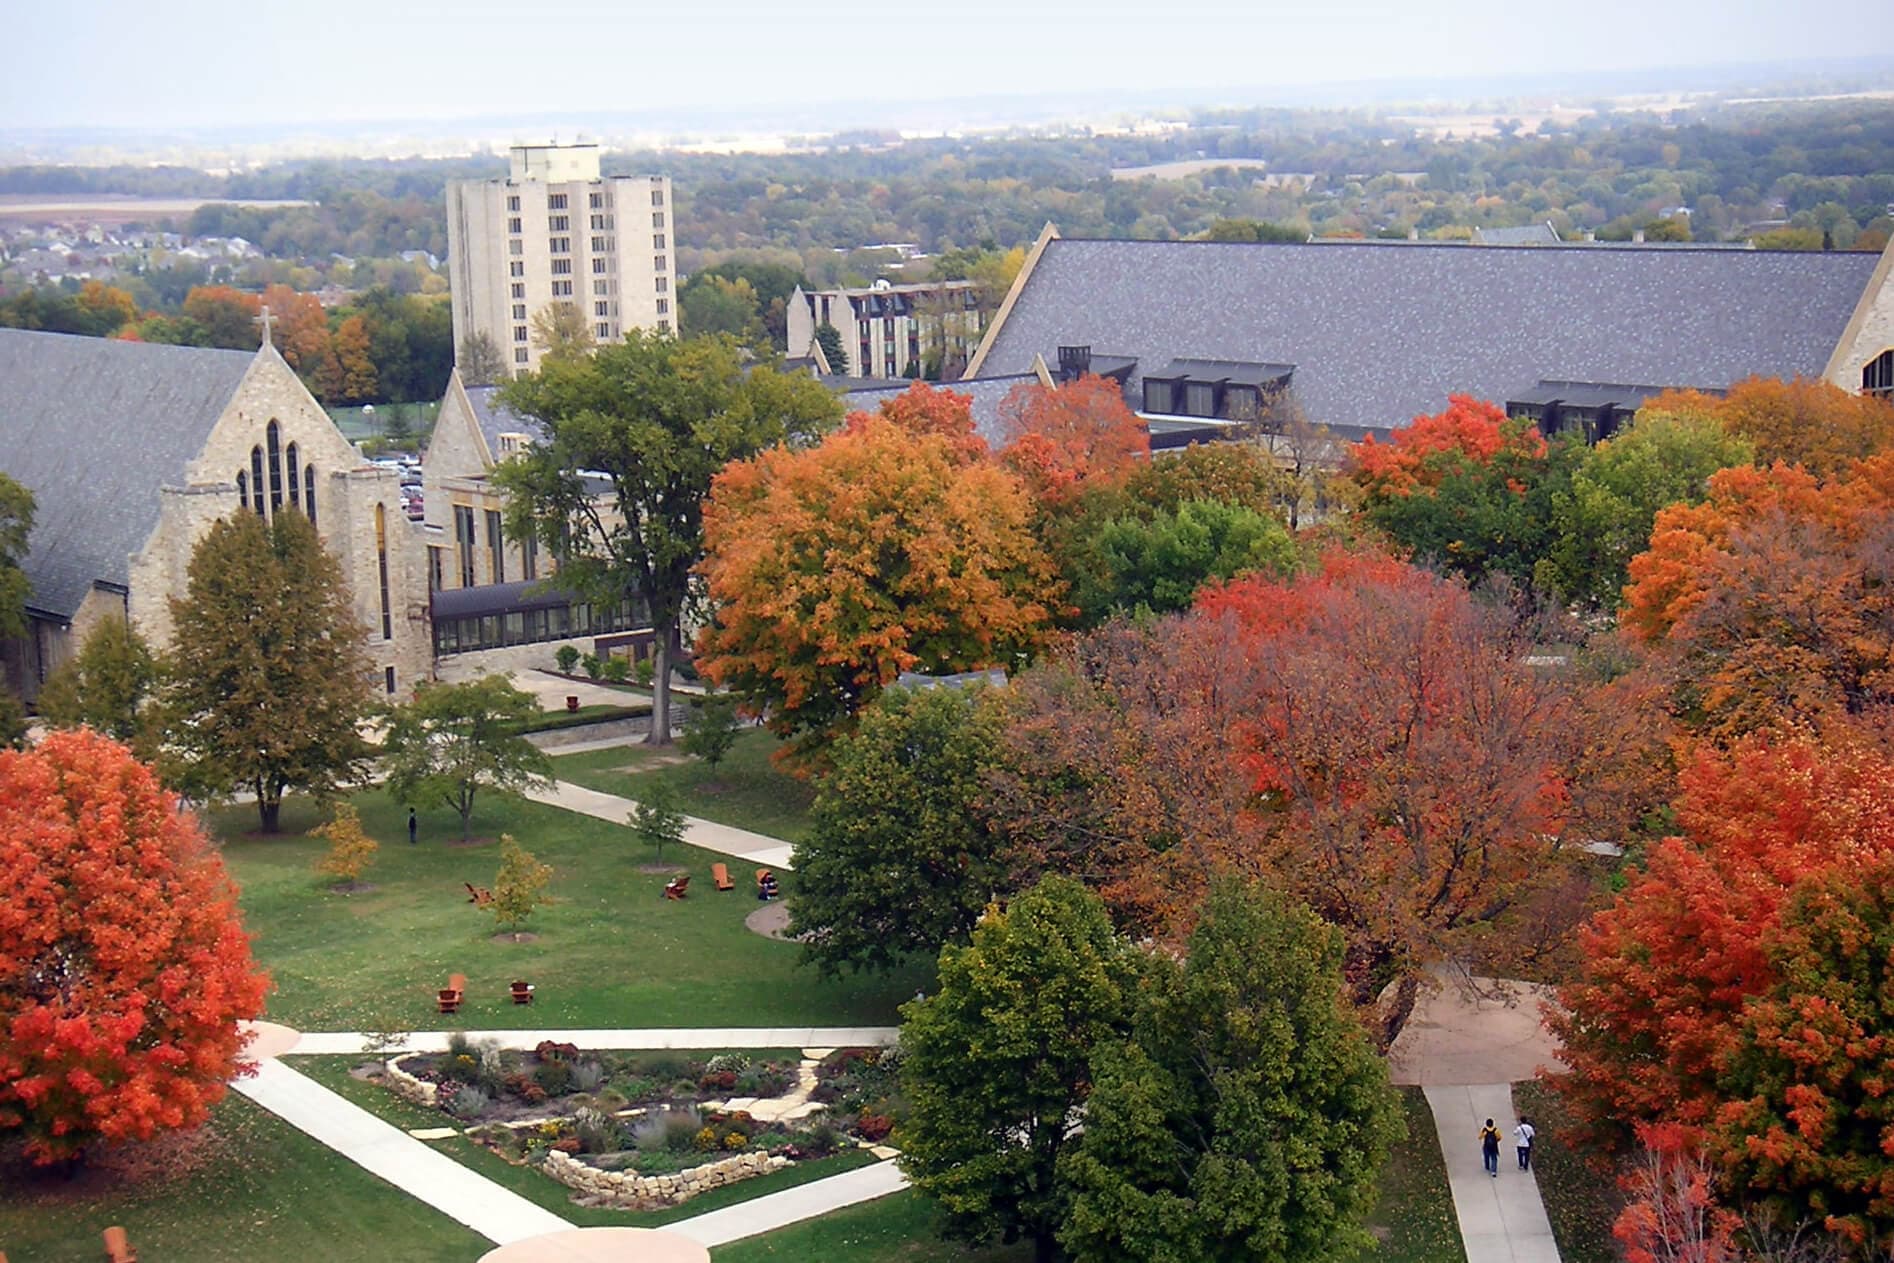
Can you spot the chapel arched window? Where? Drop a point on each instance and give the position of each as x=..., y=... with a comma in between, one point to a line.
x=289, y=459
x=256, y=481
x=274, y=436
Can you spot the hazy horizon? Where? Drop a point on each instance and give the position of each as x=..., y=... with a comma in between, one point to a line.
x=216, y=63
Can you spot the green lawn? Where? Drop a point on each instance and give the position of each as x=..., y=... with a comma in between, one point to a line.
x=1581, y=1201
x=745, y=790
x=610, y=953
x=333, y=1072
x=1414, y=1219
x=252, y=1188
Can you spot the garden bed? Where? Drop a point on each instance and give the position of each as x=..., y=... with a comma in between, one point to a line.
x=645, y=1130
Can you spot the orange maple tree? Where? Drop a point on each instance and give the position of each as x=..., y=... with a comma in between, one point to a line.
x=1420, y=454
x=1065, y=437
x=1818, y=426
x=923, y=409
x=837, y=567
x=124, y=968
x=301, y=332
x=1669, y=966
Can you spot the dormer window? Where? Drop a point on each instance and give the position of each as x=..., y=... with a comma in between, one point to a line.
x=512, y=443
x=1159, y=396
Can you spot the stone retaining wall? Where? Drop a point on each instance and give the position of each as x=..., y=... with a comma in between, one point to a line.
x=629, y=1186
x=409, y=1088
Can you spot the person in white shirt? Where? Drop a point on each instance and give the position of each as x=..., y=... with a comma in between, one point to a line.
x=1522, y=1137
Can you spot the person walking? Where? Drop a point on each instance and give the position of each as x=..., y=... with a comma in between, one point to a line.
x=412, y=826
x=1522, y=1137
x=1489, y=1148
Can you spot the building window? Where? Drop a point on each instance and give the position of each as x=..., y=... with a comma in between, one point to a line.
x=289, y=459
x=664, y=306
x=598, y=287
x=598, y=245
x=520, y=355
x=309, y=492
x=529, y=558
x=561, y=267
x=657, y=219
x=519, y=291
x=559, y=223
x=664, y=283
x=496, y=546
x=243, y=489
x=559, y=245
x=657, y=197
x=381, y=564
x=1200, y=399
x=555, y=201
x=516, y=268
x=562, y=289
x=519, y=333
x=1158, y=397
x=1877, y=375
x=603, y=331
x=519, y=311
x=596, y=200
x=664, y=326
x=600, y=309
x=657, y=241
x=657, y=264
x=598, y=265
x=273, y=437
x=516, y=247
x=388, y=678
x=433, y=567
x=464, y=543
x=513, y=225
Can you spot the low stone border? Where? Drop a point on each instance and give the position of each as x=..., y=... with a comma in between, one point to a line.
x=407, y=1087
x=629, y=1186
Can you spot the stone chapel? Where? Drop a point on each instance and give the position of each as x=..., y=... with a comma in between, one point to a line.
x=132, y=450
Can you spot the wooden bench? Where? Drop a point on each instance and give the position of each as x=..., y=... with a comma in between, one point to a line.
x=478, y=896
x=522, y=993
x=678, y=887
x=720, y=873
x=453, y=993
x=117, y=1247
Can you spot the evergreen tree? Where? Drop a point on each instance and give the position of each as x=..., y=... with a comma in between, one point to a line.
x=268, y=683
x=829, y=338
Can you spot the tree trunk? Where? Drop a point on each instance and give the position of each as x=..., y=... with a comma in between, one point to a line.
x=269, y=812
x=1045, y=1248
x=660, y=734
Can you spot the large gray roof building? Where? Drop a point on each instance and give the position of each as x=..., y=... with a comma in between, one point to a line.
x=93, y=427
x=1370, y=338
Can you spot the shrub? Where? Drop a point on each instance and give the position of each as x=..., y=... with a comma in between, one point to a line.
x=546, y=1050
x=553, y=1076
x=460, y=1044
x=588, y=1076
x=468, y=1101
x=822, y=1138
x=727, y=1061
x=464, y=1067
x=617, y=670
x=567, y=657
x=491, y=1075
x=597, y=1132
x=873, y=1128
x=718, y=1081
x=567, y=1144
x=638, y=1089
x=662, y=1066
x=705, y=1140
x=647, y=671
x=735, y=1140
x=526, y=1088
x=592, y=665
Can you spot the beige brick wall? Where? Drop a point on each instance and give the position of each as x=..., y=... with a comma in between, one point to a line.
x=1870, y=331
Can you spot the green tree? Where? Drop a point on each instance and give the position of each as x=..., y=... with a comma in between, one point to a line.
x=1254, y=230
x=830, y=339
x=105, y=685
x=1603, y=519
x=997, y=1063
x=519, y=886
x=658, y=816
x=560, y=331
x=479, y=360
x=350, y=851
x=1247, y=1117
x=656, y=419
x=267, y=681
x=712, y=728
x=716, y=304
x=12, y=720
x=1157, y=562
x=897, y=861
x=454, y=740
x=16, y=524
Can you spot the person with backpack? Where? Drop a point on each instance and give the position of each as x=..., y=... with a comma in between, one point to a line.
x=1489, y=1148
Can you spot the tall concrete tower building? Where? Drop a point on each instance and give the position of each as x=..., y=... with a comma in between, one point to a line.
x=554, y=231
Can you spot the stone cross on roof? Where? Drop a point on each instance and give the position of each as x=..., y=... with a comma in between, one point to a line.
x=263, y=318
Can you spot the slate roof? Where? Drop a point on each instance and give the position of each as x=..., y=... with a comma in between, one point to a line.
x=94, y=428
x=1540, y=234
x=986, y=391
x=1380, y=336
x=495, y=420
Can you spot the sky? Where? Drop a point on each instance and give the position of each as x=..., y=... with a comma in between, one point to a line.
x=219, y=63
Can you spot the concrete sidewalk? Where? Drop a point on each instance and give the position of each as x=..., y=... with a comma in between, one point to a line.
x=792, y=1205
x=352, y=1043
x=496, y=1213
x=752, y=848
x=1502, y=1220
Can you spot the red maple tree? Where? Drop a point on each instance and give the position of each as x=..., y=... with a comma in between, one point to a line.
x=124, y=968
x=922, y=409
x=1062, y=438
x=1419, y=454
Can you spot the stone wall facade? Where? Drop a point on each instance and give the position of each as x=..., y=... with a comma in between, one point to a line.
x=1870, y=331
x=630, y=1187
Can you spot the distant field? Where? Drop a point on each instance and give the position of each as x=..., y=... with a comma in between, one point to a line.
x=108, y=209
x=1183, y=168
